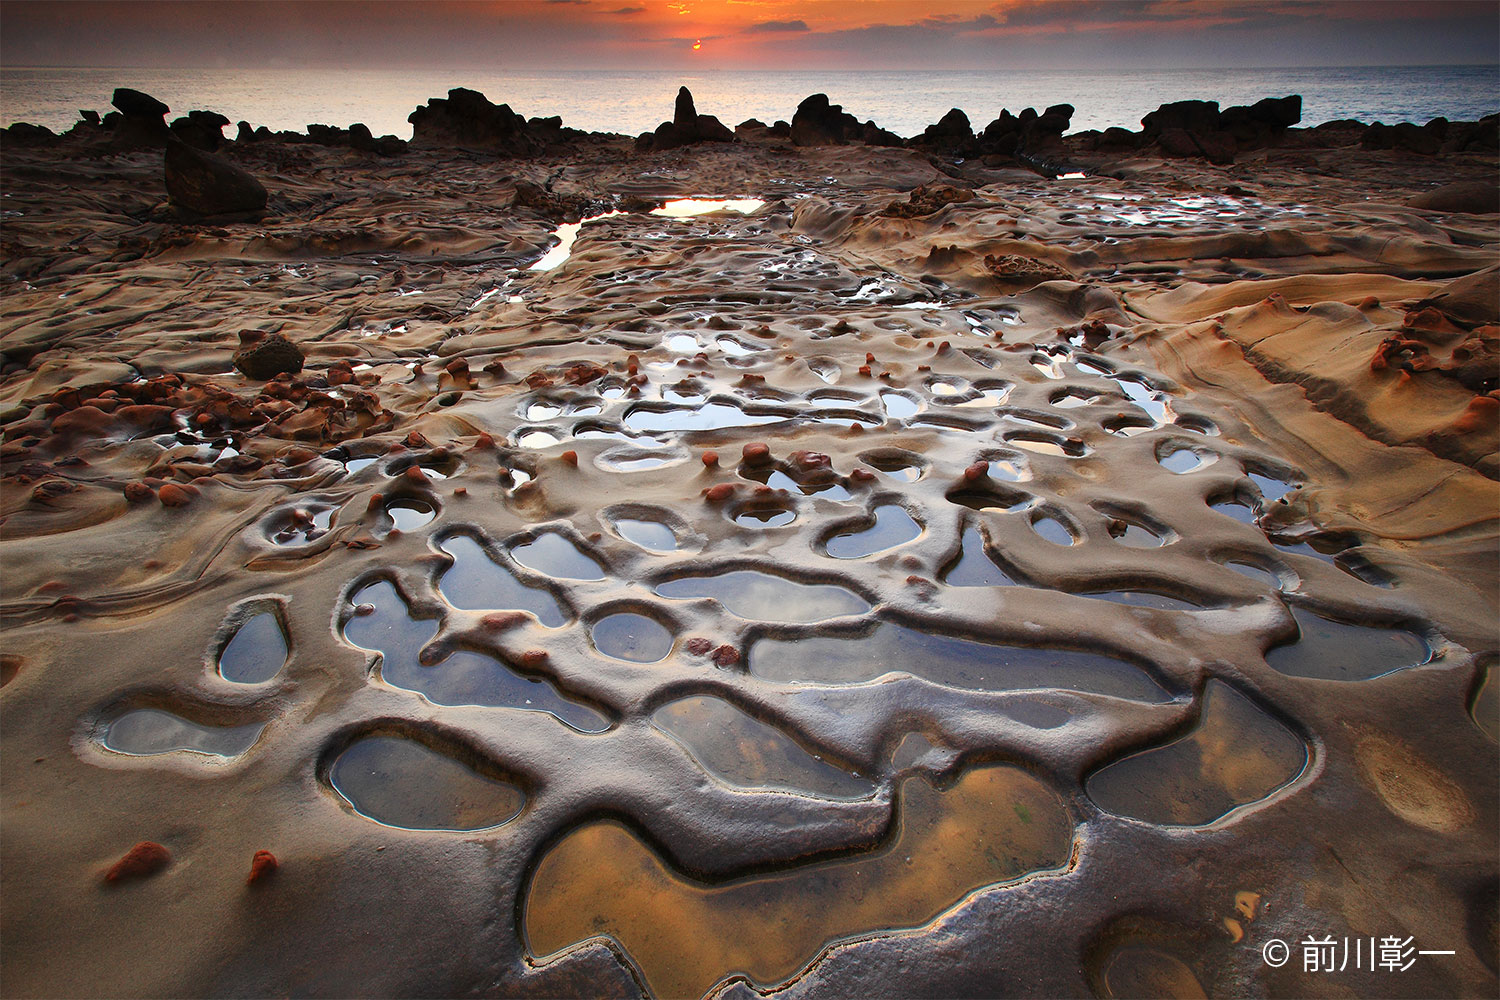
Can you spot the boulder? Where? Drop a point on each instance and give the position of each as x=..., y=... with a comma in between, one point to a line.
x=142, y=120
x=244, y=133
x=950, y=132
x=925, y=200
x=201, y=129
x=202, y=184
x=1472, y=197
x=1402, y=136
x=264, y=357
x=138, y=105
x=1263, y=123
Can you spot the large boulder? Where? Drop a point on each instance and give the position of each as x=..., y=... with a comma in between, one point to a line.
x=264, y=357
x=685, y=114
x=948, y=133
x=201, y=129
x=142, y=121
x=1263, y=123
x=203, y=185
x=819, y=123
x=1473, y=197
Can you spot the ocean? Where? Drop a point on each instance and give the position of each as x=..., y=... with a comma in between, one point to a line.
x=633, y=102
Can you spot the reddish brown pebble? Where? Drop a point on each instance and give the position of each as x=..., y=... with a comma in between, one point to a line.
x=376, y=499
x=710, y=458
x=145, y=858
x=864, y=370
x=870, y=358
x=534, y=657
x=719, y=493
x=757, y=453
x=415, y=440
x=499, y=621
x=944, y=347
x=263, y=865
x=363, y=610
x=976, y=472
x=414, y=474
x=726, y=656
x=862, y=475
x=698, y=645
x=485, y=441
x=460, y=491
x=571, y=457
x=173, y=495
x=138, y=492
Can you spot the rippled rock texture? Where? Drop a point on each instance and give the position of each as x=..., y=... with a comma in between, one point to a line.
x=1064, y=587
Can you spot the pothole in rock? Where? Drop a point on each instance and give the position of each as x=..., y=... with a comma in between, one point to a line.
x=993, y=825
x=146, y=732
x=653, y=536
x=1183, y=460
x=892, y=527
x=897, y=406
x=461, y=677
x=301, y=524
x=256, y=652
x=1331, y=650
x=476, y=582
x=553, y=555
x=901, y=466
x=974, y=566
x=628, y=635
x=1237, y=755
x=711, y=416
x=758, y=596
x=408, y=514
x=742, y=751
x=952, y=661
x=1053, y=530
x=769, y=513
x=403, y=783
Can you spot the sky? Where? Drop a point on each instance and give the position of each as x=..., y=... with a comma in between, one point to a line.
x=705, y=35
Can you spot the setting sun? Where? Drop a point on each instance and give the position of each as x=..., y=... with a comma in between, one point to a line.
x=697, y=45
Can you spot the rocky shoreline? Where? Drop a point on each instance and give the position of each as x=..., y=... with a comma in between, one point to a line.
x=783, y=560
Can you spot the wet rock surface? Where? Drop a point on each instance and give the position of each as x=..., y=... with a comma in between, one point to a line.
x=864, y=607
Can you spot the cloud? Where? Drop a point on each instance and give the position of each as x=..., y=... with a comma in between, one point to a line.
x=765, y=27
x=626, y=11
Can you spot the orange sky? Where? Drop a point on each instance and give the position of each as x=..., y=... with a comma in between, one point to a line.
x=747, y=34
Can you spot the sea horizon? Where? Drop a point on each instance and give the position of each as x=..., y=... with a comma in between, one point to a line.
x=635, y=101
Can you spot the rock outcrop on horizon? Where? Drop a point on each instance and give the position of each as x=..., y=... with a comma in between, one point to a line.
x=819, y=123
x=686, y=127
x=201, y=129
x=467, y=120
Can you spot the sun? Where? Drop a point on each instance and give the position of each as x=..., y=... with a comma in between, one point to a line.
x=698, y=45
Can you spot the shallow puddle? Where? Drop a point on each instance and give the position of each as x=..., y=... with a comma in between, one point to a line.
x=893, y=526
x=992, y=826
x=993, y=499
x=1143, y=599
x=409, y=515
x=256, y=653
x=403, y=783
x=897, y=406
x=554, y=555
x=765, y=515
x=145, y=732
x=708, y=417
x=653, y=536
x=631, y=636
x=740, y=750
x=687, y=208
x=758, y=596
x=1053, y=531
x=974, y=567
x=478, y=583
x=898, y=467
x=1134, y=535
x=1334, y=651
x=1237, y=755
x=460, y=678
x=947, y=660
x=300, y=525
x=1185, y=460
x=1136, y=970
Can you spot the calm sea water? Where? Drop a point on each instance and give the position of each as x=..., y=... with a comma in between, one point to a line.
x=904, y=101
